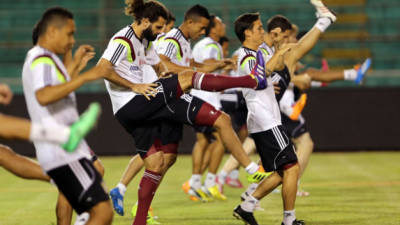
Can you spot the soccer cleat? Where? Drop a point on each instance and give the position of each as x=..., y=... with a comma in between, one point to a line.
x=186, y=187
x=198, y=195
x=258, y=72
x=151, y=218
x=81, y=128
x=215, y=193
x=117, y=201
x=246, y=217
x=322, y=10
x=257, y=176
x=362, y=70
x=235, y=183
x=297, y=222
x=298, y=107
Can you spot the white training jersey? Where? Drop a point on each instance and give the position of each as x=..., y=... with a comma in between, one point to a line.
x=263, y=110
x=176, y=47
x=43, y=68
x=128, y=54
x=205, y=49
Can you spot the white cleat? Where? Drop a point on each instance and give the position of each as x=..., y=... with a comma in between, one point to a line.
x=322, y=10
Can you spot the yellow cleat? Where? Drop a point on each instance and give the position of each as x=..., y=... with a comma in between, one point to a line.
x=216, y=194
x=258, y=176
x=198, y=195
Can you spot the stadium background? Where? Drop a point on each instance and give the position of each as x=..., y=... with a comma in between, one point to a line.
x=340, y=117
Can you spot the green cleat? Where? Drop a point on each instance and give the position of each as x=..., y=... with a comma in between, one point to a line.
x=82, y=127
x=257, y=176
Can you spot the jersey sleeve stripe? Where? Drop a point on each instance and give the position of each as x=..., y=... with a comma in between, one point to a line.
x=246, y=59
x=47, y=59
x=116, y=54
x=177, y=45
x=128, y=45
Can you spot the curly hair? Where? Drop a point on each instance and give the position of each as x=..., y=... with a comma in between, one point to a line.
x=152, y=10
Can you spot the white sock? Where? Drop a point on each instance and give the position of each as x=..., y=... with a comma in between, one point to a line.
x=289, y=217
x=82, y=218
x=322, y=24
x=222, y=176
x=122, y=188
x=252, y=168
x=210, y=180
x=53, y=133
x=234, y=174
x=350, y=74
x=195, y=181
x=252, y=187
x=249, y=204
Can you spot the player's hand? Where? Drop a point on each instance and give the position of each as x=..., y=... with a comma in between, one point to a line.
x=83, y=55
x=146, y=90
x=277, y=89
x=5, y=94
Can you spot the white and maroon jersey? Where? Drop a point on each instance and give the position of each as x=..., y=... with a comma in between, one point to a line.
x=43, y=68
x=176, y=47
x=205, y=49
x=263, y=109
x=128, y=54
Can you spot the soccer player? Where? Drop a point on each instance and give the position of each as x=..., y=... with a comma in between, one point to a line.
x=293, y=101
x=125, y=53
x=273, y=145
x=208, y=50
x=48, y=89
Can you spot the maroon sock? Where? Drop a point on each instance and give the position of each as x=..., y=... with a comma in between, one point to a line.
x=215, y=82
x=147, y=188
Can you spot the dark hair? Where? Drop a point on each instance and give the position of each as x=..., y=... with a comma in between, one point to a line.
x=278, y=21
x=150, y=9
x=211, y=24
x=244, y=22
x=223, y=39
x=50, y=16
x=301, y=34
x=195, y=12
x=171, y=17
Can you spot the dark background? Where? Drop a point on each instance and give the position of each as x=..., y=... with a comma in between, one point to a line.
x=339, y=119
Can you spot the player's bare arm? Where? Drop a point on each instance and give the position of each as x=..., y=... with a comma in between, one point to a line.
x=144, y=89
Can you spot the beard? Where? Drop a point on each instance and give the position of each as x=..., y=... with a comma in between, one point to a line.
x=149, y=35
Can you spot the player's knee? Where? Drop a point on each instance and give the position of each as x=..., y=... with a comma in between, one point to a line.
x=291, y=169
x=104, y=213
x=170, y=160
x=223, y=121
x=5, y=154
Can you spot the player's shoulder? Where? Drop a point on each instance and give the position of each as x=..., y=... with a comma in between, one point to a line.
x=245, y=53
x=37, y=52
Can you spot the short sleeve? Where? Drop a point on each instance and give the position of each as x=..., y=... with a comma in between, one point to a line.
x=247, y=64
x=44, y=73
x=167, y=47
x=213, y=52
x=115, y=51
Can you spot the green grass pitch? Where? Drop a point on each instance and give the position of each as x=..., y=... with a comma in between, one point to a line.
x=346, y=188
